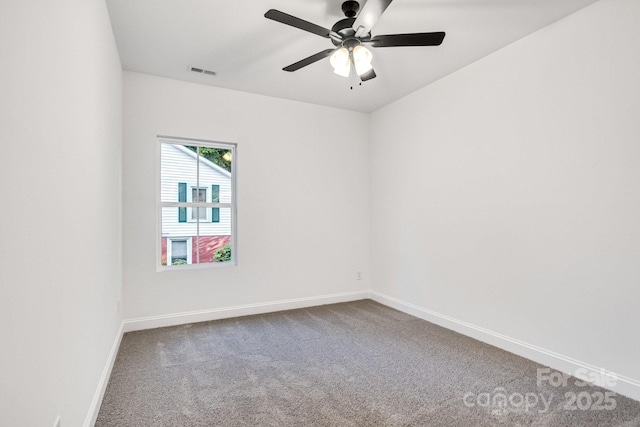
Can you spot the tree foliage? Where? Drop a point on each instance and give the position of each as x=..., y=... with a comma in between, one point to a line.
x=216, y=156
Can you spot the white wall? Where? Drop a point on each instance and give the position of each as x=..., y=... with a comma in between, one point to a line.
x=303, y=196
x=60, y=229
x=515, y=196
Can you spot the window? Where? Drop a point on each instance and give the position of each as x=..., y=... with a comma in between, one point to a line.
x=197, y=212
x=198, y=195
x=179, y=251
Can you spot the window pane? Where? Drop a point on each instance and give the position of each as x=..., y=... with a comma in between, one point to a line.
x=199, y=195
x=215, y=238
x=198, y=213
x=177, y=171
x=178, y=238
x=178, y=251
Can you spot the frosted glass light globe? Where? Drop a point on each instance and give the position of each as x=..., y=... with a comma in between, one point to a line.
x=340, y=62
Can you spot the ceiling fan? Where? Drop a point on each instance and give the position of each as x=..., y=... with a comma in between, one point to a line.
x=350, y=35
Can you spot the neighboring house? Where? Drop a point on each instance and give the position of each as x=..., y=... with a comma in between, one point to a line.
x=184, y=230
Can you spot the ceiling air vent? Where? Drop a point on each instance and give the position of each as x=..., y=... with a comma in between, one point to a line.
x=202, y=71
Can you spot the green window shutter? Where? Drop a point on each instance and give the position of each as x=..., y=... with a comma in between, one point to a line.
x=215, y=198
x=182, y=197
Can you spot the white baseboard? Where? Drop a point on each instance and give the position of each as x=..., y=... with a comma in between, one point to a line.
x=239, y=310
x=618, y=383
x=94, y=409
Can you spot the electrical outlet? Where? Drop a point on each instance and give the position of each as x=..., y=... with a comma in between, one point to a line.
x=57, y=422
x=359, y=275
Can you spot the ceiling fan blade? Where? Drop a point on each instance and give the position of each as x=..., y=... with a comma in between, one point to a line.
x=369, y=15
x=415, y=39
x=287, y=19
x=368, y=75
x=310, y=60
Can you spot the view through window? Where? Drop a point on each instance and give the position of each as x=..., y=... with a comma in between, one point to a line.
x=197, y=202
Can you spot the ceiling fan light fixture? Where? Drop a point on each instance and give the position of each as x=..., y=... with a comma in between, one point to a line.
x=341, y=62
x=343, y=71
x=362, y=54
x=362, y=58
x=363, y=67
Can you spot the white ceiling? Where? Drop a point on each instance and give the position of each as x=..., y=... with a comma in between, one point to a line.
x=248, y=51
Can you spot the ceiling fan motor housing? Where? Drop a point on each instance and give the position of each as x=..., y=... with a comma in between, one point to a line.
x=344, y=28
x=350, y=8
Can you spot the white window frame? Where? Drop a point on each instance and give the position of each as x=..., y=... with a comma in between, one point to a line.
x=233, y=148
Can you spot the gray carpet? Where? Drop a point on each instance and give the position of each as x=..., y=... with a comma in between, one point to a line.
x=351, y=364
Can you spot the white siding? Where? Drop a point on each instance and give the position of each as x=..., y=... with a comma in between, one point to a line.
x=178, y=166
